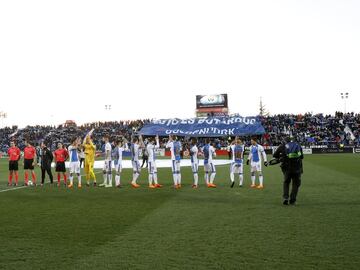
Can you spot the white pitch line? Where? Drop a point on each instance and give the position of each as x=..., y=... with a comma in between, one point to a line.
x=16, y=188
x=224, y=163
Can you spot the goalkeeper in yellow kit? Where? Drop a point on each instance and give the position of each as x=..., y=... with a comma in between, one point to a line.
x=89, y=160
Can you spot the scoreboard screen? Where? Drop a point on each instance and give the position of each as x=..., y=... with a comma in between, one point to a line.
x=211, y=101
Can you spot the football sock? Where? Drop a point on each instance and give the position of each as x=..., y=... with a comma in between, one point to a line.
x=33, y=175
x=135, y=177
x=26, y=177
x=212, y=177
x=155, y=178
x=175, y=178
x=241, y=176
x=196, y=179
x=207, y=178
x=105, y=178
x=261, y=179
x=253, y=179
x=179, y=178
x=232, y=178
x=110, y=179
x=117, y=180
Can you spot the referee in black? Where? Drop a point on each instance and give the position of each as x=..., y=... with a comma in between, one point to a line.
x=291, y=155
x=46, y=159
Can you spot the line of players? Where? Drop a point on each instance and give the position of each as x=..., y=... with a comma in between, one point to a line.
x=255, y=158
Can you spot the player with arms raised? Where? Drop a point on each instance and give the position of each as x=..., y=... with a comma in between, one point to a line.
x=121, y=146
x=209, y=167
x=107, y=174
x=136, y=146
x=237, y=149
x=89, y=151
x=74, y=162
x=257, y=153
x=152, y=169
x=194, y=151
x=175, y=149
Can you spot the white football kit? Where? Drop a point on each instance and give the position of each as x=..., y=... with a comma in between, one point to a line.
x=74, y=161
x=107, y=161
x=237, y=159
x=256, y=155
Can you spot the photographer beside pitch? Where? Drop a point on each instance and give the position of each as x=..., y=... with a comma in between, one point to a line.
x=290, y=155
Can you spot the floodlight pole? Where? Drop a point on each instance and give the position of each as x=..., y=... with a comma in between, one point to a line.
x=344, y=96
x=3, y=116
x=107, y=109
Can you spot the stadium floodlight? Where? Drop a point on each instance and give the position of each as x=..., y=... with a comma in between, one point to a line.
x=3, y=116
x=344, y=96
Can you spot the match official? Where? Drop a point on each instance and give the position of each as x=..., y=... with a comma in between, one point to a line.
x=46, y=159
x=290, y=155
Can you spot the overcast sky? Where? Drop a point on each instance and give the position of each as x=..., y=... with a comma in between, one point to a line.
x=66, y=59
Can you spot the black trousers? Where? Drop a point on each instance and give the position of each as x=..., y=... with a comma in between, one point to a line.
x=46, y=169
x=295, y=178
x=144, y=159
x=82, y=160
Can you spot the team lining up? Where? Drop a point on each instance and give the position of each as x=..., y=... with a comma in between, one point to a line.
x=61, y=155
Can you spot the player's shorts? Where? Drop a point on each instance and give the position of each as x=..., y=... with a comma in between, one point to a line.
x=60, y=166
x=236, y=167
x=255, y=166
x=28, y=164
x=13, y=165
x=74, y=167
x=195, y=167
x=136, y=166
x=175, y=166
x=152, y=167
x=107, y=166
x=118, y=167
x=209, y=167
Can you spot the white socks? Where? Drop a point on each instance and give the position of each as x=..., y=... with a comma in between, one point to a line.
x=105, y=178
x=207, y=178
x=253, y=179
x=135, y=177
x=241, y=177
x=261, y=180
x=117, y=180
x=175, y=179
x=196, y=179
x=212, y=177
x=155, y=178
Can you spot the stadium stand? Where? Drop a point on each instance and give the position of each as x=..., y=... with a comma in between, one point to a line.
x=311, y=130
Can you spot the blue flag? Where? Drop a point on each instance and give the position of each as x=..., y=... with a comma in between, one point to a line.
x=205, y=127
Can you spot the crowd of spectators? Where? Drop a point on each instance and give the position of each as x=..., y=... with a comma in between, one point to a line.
x=339, y=130
x=313, y=130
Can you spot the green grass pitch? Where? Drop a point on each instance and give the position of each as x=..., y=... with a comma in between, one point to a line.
x=223, y=228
